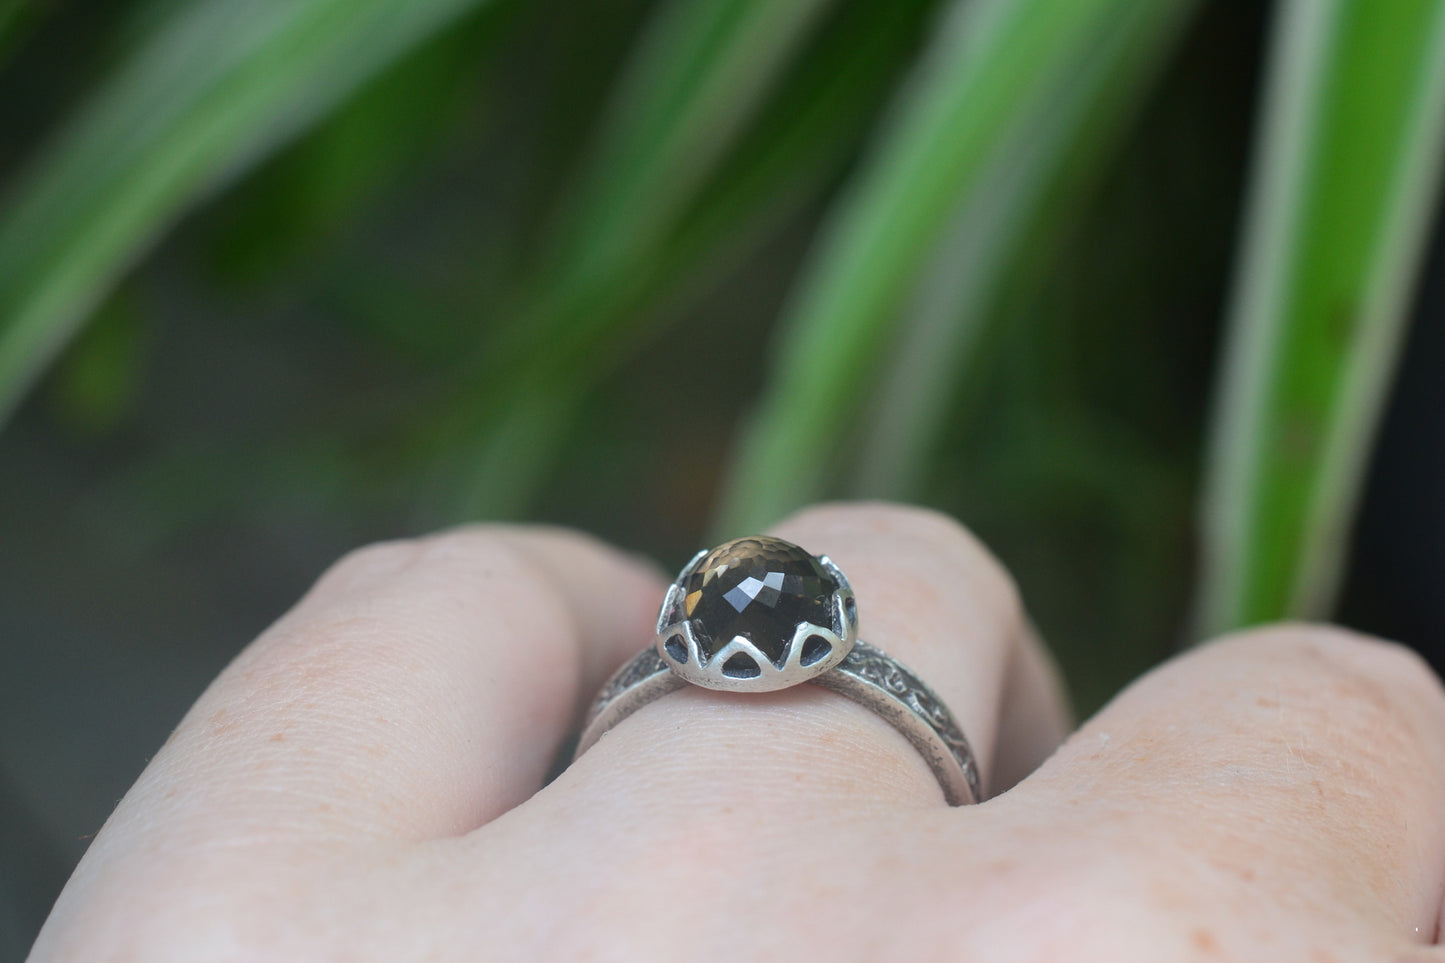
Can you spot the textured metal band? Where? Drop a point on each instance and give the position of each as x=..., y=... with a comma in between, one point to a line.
x=868, y=676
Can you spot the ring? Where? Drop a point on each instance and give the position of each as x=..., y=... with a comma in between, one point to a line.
x=759, y=614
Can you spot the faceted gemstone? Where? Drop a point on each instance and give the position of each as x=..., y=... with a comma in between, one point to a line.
x=760, y=588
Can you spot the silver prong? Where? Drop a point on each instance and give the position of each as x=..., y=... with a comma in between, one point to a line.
x=691, y=565
x=832, y=569
x=846, y=615
x=671, y=607
x=671, y=610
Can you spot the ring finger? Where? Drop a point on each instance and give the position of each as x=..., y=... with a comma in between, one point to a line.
x=930, y=596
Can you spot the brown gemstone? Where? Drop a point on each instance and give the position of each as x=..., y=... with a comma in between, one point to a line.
x=759, y=588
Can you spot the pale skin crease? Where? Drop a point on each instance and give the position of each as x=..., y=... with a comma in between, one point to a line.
x=361, y=784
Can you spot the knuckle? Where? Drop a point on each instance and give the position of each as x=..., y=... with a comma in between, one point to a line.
x=889, y=518
x=388, y=607
x=1359, y=668
x=371, y=562
x=1379, y=659
x=475, y=547
x=1350, y=716
x=495, y=562
x=935, y=546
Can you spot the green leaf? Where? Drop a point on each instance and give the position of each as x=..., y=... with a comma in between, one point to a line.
x=98, y=381
x=218, y=87
x=13, y=14
x=989, y=62
x=482, y=445
x=1023, y=201
x=802, y=141
x=700, y=74
x=306, y=196
x=1344, y=186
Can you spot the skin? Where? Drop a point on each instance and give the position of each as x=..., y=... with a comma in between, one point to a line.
x=362, y=784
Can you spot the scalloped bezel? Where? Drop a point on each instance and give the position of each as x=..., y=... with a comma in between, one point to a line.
x=709, y=674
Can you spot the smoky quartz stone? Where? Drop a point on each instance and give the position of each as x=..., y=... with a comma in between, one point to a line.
x=759, y=588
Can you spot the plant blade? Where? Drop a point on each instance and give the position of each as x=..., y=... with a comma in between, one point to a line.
x=1347, y=172
x=220, y=85
x=11, y=14
x=700, y=73
x=642, y=219
x=988, y=60
x=1024, y=200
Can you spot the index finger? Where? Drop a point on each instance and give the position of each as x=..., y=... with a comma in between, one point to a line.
x=421, y=688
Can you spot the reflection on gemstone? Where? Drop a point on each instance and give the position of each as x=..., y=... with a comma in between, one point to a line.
x=759, y=588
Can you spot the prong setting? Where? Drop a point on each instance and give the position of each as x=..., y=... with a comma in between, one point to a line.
x=693, y=650
x=771, y=639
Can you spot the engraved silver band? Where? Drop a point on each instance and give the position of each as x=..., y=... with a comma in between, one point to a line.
x=867, y=675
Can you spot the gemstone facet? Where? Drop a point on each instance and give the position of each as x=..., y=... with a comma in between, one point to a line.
x=759, y=588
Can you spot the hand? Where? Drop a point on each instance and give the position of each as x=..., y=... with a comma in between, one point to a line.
x=362, y=784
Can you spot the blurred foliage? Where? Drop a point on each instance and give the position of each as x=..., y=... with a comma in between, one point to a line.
x=1003, y=84
x=214, y=85
x=1345, y=189
x=631, y=265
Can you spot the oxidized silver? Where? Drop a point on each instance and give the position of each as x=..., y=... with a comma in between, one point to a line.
x=853, y=668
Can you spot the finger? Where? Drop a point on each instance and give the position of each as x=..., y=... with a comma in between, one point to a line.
x=1297, y=766
x=420, y=689
x=928, y=594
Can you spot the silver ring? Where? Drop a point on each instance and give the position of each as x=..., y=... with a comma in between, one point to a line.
x=759, y=614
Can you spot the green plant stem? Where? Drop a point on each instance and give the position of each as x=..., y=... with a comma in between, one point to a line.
x=1024, y=200
x=1348, y=169
x=646, y=229
x=988, y=62
x=221, y=85
x=700, y=73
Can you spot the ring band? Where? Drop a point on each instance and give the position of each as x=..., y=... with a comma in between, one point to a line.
x=761, y=614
